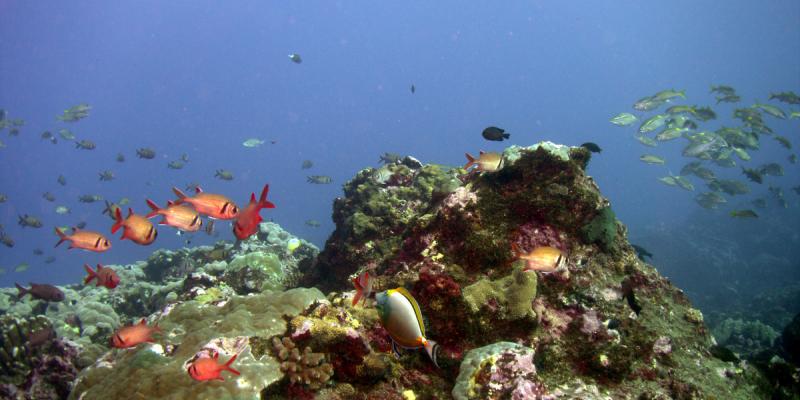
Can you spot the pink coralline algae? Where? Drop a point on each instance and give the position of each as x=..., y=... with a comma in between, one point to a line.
x=532, y=235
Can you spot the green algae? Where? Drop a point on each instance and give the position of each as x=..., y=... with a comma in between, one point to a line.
x=603, y=230
x=513, y=294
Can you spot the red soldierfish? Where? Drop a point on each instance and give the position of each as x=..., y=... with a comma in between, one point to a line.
x=363, y=284
x=182, y=217
x=203, y=369
x=132, y=335
x=247, y=222
x=86, y=240
x=105, y=276
x=137, y=228
x=214, y=205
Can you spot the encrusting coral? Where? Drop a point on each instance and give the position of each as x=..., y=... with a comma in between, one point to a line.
x=302, y=368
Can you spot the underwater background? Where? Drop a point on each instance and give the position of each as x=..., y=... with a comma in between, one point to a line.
x=200, y=78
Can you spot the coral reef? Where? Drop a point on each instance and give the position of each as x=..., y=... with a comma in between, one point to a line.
x=501, y=370
x=603, y=325
x=302, y=367
x=35, y=364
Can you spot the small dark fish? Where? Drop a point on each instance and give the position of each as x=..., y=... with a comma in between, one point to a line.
x=759, y=203
x=313, y=223
x=80, y=225
x=50, y=260
x=90, y=198
x=192, y=187
x=3, y=198
x=224, y=175
x=30, y=221
x=413, y=89
x=390, y=158
x=106, y=176
x=630, y=296
x=753, y=175
x=38, y=252
x=786, y=97
x=295, y=58
x=797, y=189
x=185, y=157
x=48, y=196
x=41, y=291
x=209, y=229
x=61, y=180
x=13, y=132
x=593, y=147
x=642, y=253
x=47, y=135
x=85, y=145
x=111, y=210
x=40, y=337
x=495, y=133
x=307, y=164
x=319, y=179
x=120, y=157
x=176, y=164
x=6, y=240
x=146, y=153
x=744, y=214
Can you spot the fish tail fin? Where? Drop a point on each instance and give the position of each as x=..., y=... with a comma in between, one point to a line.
x=61, y=235
x=22, y=290
x=118, y=224
x=432, y=348
x=470, y=160
x=154, y=207
x=359, y=292
x=91, y=274
x=227, y=365
x=506, y=135
x=180, y=194
x=262, y=200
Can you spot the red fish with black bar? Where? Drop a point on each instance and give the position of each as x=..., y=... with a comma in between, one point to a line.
x=215, y=206
x=247, y=222
x=137, y=228
x=105, y=276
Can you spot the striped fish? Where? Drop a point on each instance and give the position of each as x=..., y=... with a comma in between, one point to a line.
x=401, y=317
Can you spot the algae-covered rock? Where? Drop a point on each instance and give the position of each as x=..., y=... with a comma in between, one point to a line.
x=510, y=297
x=502, y=370
x=151, y=372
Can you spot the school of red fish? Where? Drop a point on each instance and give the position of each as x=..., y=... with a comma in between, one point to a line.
x=183, y=214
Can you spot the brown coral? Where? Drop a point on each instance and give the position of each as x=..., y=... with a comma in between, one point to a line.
x=302, y=368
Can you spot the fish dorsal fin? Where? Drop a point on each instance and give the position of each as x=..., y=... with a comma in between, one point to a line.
x=252, y=198
x=481, y=153
x=75, y=229
x=99, y=267
x=198, y=189
x=143, y=322
x=415, y=306
x=170, y=203
x=130, y=212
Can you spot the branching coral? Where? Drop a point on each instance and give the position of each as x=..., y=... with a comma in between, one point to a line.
x=302, y=368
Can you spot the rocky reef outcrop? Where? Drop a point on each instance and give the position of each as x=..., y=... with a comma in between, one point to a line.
x=603, y=325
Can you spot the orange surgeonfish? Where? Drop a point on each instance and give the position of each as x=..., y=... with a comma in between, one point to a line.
x=247, y=222
x=204, y=369
x=87, y=240
x=132, y=335
x=137, y=228
x=215, y=206
x=105, y=276
x=177, y=216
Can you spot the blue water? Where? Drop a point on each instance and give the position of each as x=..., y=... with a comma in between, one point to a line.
x=200, y=77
